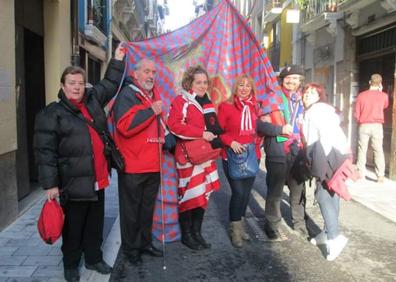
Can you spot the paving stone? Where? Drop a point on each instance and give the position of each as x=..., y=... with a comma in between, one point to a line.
x=16, y=271
x=15, y=234
x=31, y=227
x=28, y=279
x=12, y=260
x=42, y=260
x=55, y=251
x=54, y=279
x=3, y=241
x=49, y=271
x=33, y=251
x=22, y=242
x=16, y=227
x=7, y=251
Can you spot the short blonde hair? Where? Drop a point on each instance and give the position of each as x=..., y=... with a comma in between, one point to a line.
x=238, y=80
x=376, y=79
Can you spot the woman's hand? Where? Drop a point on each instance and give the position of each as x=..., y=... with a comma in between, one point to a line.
x=52, y=193
x=208, y=136
x=119, y=53
x=237, y=147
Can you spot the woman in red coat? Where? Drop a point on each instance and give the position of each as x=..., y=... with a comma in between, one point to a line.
x=192, y=116
x=238, y=119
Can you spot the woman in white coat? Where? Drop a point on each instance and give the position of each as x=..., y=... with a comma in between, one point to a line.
x=326, y=143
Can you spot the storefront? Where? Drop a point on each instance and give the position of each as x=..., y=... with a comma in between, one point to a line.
x=376, y=53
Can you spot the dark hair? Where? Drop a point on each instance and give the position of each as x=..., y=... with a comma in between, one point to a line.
x=319, y=88
x=72, y=70
x=188, y=76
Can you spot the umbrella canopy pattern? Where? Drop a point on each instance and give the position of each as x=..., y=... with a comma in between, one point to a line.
x=223, y=43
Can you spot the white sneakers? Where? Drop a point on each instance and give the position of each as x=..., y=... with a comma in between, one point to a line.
x=335, y=247
x=320, y=239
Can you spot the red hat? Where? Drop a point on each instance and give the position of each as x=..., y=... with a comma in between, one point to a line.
x=50, y=222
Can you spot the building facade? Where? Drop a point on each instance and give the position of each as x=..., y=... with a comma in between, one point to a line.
x=342, y=43
x=39, y=39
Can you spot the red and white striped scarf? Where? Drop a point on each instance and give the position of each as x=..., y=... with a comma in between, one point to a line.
x=248, y=114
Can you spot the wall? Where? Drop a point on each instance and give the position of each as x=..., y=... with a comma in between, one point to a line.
x=8, y=138
x=286, y=47
x=57, y=44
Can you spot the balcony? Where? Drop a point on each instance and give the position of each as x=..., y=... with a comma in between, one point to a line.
x=95, y=27
x=314, y=8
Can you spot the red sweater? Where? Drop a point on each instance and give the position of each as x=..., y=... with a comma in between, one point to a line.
x=230, y=120
x=370, y=106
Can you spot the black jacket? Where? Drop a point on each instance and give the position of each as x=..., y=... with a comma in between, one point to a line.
x=274, y=151
x=62, y=144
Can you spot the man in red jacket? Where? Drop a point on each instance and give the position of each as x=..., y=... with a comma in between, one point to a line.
x=136, y=114
x=369, y=112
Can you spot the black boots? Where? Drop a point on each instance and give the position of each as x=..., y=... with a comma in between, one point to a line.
x=190, y=224
x=197, y=218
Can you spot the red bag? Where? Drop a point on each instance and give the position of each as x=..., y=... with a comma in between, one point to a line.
x=196, y=152
x=337, y=182
x=50, y=222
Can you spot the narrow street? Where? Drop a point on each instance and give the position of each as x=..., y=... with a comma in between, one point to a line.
x=367, y=257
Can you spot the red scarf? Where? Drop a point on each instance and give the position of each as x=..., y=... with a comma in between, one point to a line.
x=248, y=110
x=100, y=162
x=147, y=99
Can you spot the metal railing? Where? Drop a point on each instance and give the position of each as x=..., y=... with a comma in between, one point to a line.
x=315, y=8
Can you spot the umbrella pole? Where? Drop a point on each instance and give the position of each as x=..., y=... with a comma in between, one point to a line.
x=162, y=192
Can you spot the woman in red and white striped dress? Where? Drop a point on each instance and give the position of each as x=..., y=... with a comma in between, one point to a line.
x=192, y=116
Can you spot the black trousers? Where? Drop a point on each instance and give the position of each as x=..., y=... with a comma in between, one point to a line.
x=137, y=194
x=240, y=194
x=83, y=231
x=278, y=174
x=297, y=201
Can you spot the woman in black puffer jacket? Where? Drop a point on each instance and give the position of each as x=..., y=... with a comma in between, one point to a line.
x=71, y=162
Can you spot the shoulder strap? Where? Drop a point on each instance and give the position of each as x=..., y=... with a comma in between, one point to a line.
x=100, y=132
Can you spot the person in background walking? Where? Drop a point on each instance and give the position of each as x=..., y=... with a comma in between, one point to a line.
x=71, y=162
x=282, y=145
x=138, y=131
x=192, y=116
x=369, y=113
x=327, y=147
x=238, y=118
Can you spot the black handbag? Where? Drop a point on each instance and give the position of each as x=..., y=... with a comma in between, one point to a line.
x=113, y=155
x=244, y=165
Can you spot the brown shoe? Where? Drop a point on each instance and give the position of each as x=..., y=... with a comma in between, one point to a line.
x=380, y=179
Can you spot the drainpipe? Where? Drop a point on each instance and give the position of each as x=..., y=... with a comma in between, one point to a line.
x=109, y=31
x=75, y=58
x=392, y=157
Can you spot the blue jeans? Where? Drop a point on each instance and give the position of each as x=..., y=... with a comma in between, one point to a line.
x=329, y=204
x=240, y=194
